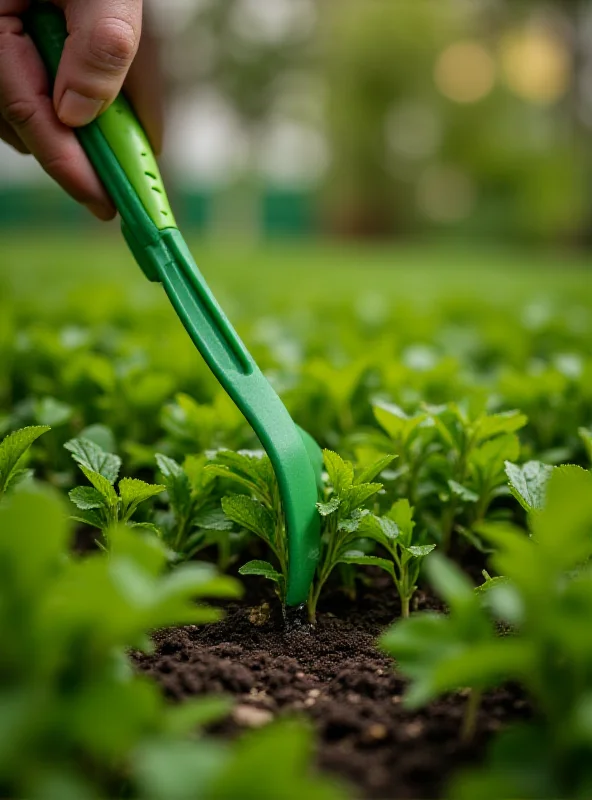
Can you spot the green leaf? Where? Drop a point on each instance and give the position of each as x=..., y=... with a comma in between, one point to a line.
x=263, y=568
x=89, y=455
x=358, y=558
x=325, y=509
x=102, y=485
x=528, y=483
x=358, y=495
x=171, y=769
x=495, y=424
x=370, y=472
x=89, y=517
x=86, y=498
x=222, y=471
x=341, y=473
x=133, y=492
x=17, y=477
x=586, y=436
x=250, y=514
x=34, y=537
x=13, y=448
x=176, y=481
x=213, y=520
x=562, y=530
x=101, y=435
x=349, y=525
x=395, y=422
x=492, y=583
x=464, y=494
x=200, y=480
x=52, y=412
x=275, y=756
x=491, y=456
x=253, y=471
x=421, y=550
x=380, y=529
x=184, y=718
x=401, y=513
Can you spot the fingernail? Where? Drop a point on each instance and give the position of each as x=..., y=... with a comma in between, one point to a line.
x=77, y=110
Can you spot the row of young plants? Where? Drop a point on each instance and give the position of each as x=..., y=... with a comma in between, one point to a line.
x=158, y=463
x=418, y=482
x=218, y=499
x=141, y=578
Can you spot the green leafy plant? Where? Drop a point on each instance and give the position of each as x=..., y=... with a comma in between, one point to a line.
x=101, y=505
x=12, y=449
x=76, y=720
x=547, y=600
x=395, y=533
x=259, y=512
x=194, y=521
x=477, y=446
x=345, y=523
x=65, y=624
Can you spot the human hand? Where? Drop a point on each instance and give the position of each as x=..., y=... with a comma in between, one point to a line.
x=105, y=50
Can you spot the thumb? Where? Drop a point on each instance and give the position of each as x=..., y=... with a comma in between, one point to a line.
x=101, y=45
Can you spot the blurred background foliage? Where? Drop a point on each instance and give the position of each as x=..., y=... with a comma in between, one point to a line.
x=369, y=118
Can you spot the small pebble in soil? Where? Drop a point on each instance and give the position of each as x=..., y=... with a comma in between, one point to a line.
x=377, y=732
x=260, y=615
x=414, y=729
x=251, y=716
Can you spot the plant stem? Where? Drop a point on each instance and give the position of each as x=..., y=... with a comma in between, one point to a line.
x=313, y=597
x=470, y=717
x=224, y=553
x=405, y=606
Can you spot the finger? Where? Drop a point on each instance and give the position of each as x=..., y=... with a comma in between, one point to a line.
x=144, y=89
x=27, y=108
x=103, y=40
x=8, y=135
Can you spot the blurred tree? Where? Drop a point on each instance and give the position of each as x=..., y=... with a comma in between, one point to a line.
x=242, y=48
x=379, y=55
x=449, y=114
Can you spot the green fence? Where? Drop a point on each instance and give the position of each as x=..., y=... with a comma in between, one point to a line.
x=275, y=213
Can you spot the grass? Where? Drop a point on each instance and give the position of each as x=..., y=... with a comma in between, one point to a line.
x=53, y=265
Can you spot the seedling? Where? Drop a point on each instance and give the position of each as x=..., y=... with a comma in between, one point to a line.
x=12, y=450
x=100, y=505
x=477, y=445
x=194, y=521
x=346, y=522
x=259, y=511
x=395, y=533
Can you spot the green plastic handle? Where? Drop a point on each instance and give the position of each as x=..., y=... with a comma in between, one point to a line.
x=120, y=152
x=121, y=131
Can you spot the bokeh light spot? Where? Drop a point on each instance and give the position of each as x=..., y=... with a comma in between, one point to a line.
x=537, y=65
x=465, y=72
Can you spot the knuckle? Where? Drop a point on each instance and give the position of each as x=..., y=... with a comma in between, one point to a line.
x=60, y=166
x=113, y=44
x=10, y=26
x=18, y=112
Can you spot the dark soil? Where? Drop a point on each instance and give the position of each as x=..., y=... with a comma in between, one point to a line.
x=336, y=677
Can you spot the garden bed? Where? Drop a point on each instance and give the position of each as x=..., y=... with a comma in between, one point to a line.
x=336, y=676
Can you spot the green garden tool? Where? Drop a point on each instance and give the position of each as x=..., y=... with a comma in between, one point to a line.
x=120, y=152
